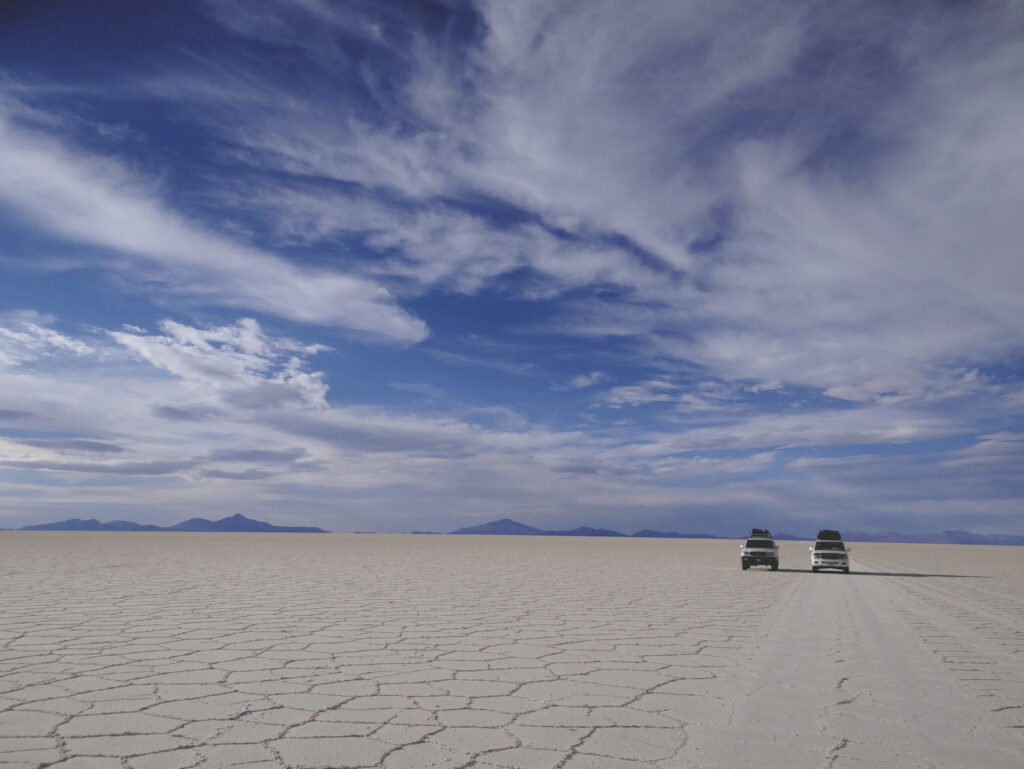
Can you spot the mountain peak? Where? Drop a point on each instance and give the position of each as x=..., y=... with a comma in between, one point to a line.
x=501, y=526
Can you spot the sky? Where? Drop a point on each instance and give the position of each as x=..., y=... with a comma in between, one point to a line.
x=394, y=266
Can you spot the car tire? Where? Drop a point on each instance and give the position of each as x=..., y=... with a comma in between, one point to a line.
x=814, y=569
x=744, y=565
x=775, y=566
x=846, y=570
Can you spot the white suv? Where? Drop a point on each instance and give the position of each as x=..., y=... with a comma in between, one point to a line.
x=759, y=550
x=829, y=552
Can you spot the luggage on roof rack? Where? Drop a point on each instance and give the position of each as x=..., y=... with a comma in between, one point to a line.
x=764, y=533
x=830, y=534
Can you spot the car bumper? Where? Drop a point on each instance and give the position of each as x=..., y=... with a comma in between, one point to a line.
x=760, y=560
x=830, y=564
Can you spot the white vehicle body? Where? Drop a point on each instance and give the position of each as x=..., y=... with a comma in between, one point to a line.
x=759, y=551
x=830, y=554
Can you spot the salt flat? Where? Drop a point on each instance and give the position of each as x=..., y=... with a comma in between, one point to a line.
x=157, y=651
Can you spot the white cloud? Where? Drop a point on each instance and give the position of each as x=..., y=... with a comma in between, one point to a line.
x=440, y=246
x=99, y=201
x=996, y=453
x=653, y=391
x=879, y=424
x=587, y=380
x=700, y=396
x=239, y=363
x=864, y=266
x=26, y=335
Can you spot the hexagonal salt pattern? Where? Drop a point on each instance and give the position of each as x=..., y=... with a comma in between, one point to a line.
x=166, y=651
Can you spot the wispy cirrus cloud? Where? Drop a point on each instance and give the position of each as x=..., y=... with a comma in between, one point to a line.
x=686, y=260
x=787, y=199
x=589, y=379
x=653, y=391
x=85, y=198
x=695, y=397
x=146, y=468
x=237, y=363
x=26, y=335
x=71, y=445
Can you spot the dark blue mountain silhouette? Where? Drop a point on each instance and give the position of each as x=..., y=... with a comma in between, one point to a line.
x=232, y=523
x=942, y=538
x=782, y=537
x=584, y=531
x=503, y=526
x=508, y=526
x=91, y=524
x=239, y=523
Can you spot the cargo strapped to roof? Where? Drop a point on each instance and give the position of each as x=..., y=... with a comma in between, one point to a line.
x=830, y=534
x=764, y=533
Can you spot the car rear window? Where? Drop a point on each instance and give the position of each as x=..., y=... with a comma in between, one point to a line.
x=827, y=545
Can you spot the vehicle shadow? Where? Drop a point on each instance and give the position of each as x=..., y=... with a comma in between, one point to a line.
x=913, y=574
x=886, y=574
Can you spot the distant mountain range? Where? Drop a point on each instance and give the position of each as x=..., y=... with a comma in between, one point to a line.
x=508, y=526
x=239, y=523
x=942, y=538
x=231, y=523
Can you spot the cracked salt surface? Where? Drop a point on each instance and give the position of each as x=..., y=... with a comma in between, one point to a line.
x=167, y=651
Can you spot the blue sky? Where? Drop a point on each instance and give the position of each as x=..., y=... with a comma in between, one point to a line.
x=412, y=265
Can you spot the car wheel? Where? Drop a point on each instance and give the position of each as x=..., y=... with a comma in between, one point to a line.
x=814, y=568
x=775, y=566
x=846, y=570
x=744, y=566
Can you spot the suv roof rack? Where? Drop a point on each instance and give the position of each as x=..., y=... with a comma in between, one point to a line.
x=761, y=533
